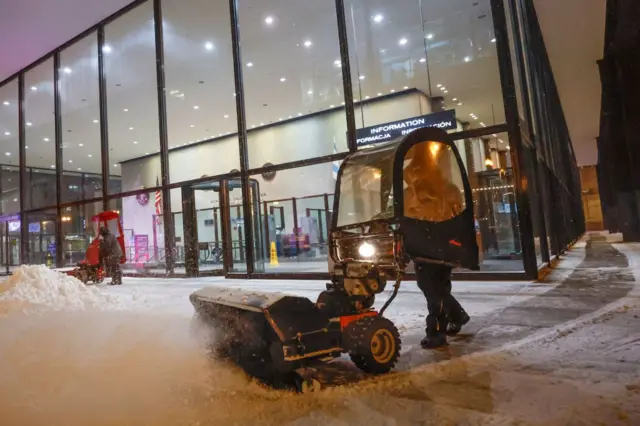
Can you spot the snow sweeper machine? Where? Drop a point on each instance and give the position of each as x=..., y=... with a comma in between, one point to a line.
x=390, y=208
x=90, y=269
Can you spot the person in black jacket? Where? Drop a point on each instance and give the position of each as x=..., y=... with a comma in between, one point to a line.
x=110, y=255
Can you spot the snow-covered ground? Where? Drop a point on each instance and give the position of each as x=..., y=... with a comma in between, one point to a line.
x=562, y=351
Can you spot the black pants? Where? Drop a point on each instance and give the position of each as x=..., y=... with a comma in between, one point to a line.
x=115, y=272
x=435, y=282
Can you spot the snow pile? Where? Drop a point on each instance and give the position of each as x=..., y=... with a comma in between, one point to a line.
x=38, y=287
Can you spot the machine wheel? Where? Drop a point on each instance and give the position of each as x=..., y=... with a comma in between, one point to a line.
x=373, y=344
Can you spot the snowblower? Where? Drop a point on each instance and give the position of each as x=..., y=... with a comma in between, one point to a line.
x=406, y=200
x=90, y=269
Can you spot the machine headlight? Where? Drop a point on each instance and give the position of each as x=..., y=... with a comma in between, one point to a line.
x=366, y=250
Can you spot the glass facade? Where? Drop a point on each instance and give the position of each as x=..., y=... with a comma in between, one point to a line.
x=217, y=132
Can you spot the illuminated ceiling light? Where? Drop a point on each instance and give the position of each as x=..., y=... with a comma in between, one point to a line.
x=249, y=64
x=29, y=124
x=268, y=20
x=46, y=139
x=79, y=169
x=494, y=135
x=53, y=166
x=429, y=36
x=310, y=92
x=439, y=85
x=493, y=40
x=378, y=18
x=196, y=107
x=307, y=43
x=115, y=165
x=446, y=91
x=6, y=103
x=393, y=91
x=7, y=133
x=332, y=106
x=482, y=124
x=7, y=153
x=146, y=153
x=299, y=114
x=90, y=155
x=379, y=94
x=81, y=144
x=26, y=147
x=71, y=161
x=471, y=114
x=130, y=128
x=455, y=99
x=135, y=142
x=341, y=103
x=95, y=121
x=34, y=88
x=208, y=45
x=253, y=126
x=403, y=41
x=66, y=70
x=475, y=118
x=126, y=110
x=226, y=116
x=282, y=79
x=262, y=124
x=459, y=103
x=405, y=88
x=362, y=77
x=193, y=125
x=106, y=48
x=280, y=119
x=337, y=63
x=423, y=60
x=366, y=97
x=443, y=88
x=500, y=140
x=291, y=116
x=467, y=58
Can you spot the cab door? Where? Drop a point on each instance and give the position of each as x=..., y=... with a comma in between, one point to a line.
x=433, y=201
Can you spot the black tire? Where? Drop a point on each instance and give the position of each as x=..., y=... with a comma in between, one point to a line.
x=373, y=344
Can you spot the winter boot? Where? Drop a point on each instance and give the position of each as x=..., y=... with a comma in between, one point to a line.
x=456, y=323
x=436, y=334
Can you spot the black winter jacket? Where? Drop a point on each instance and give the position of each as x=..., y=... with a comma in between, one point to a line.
x=110, y=251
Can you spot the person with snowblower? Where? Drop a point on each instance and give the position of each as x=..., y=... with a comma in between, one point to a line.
x=430, y=196
x=110, y=255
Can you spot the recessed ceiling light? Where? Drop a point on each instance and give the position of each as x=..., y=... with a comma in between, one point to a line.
x=46, y=139
x=253, y=126
x=405, y=87
x=459, y=103
x=493, y=40
x=146, y=153
x=95, y=121
x=7, y=153
x=193, y=125
x=126, y=110
x=7, y=133
x=282, y=79
x=467, y=58
x=196, y=107
x=6, y=103
x=392, y=90
x=26, y=147
x=280, y=119
x=80, y=144
x=494, y=135
x=475, y=118
x=332, y=106
x=299, y=114
x=262, y=124
x=130, y=128
x=337, y=63
x=249, y=64
x=115, y=165
x=366, y=97
x=290, y=116
x=307, y=43
x=439, y=85
x=482, y=124
x=429, y=36
x=455, y=99
x=106, y=48
x=29, y=123
x=379, y=94
x=79, y=169
x=362, y=77
x=378, y=18
x=71, y=161
x=341, y=103
x=446, y=91
x=53, y=166
x=500, y=140
x=135, y=142
x=471, y=114
x=90, y=155
x=403, y=41
x=66, y=70
x=226, y=116
x=208, y=45
x=34, y=88
x=423, y=60
x=310, y=92
x=268, y=20
x=443, y=88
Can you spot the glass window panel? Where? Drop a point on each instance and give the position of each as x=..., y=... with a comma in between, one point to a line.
x=40, y=145
x=42, y=238
x=200, y=89
x=294, y=214
x=132, y=98
x=77, y=231
x=143, y=233
x=80, y=114
x=292, y=79
x=413, y=58
x=488, y=164
x=10, y=199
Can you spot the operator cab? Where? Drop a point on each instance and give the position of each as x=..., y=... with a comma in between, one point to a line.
x=407, y=199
